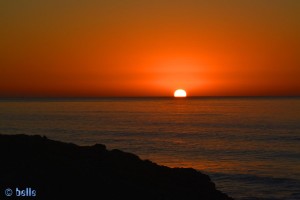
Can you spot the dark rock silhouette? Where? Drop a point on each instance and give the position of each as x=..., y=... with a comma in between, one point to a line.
x=58, y=170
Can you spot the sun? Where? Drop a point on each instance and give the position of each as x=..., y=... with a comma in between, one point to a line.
x=180, y=93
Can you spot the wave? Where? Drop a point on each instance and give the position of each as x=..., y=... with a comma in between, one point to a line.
x=252, y=177
x=256, y=187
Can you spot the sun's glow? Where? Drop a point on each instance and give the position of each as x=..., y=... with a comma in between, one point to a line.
x=180, y=93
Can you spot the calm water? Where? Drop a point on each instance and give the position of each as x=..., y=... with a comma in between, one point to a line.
x=249, y=146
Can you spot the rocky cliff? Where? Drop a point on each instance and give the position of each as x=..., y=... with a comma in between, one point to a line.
x=57, y=170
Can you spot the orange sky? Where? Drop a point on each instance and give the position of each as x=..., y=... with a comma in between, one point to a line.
x=149, y=48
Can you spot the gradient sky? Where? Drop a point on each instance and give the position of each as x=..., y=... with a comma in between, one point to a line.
x=149, y=47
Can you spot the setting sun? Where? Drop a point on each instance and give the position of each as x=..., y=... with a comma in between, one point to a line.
x=180, y=93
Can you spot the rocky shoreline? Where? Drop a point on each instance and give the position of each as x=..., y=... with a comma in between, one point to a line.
x=58, y=170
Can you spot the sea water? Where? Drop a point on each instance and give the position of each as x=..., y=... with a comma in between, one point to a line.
x=250, y=147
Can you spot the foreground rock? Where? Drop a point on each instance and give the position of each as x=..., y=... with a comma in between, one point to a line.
x=57, y=170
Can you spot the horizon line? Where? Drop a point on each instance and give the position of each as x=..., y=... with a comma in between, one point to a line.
x=116, y=97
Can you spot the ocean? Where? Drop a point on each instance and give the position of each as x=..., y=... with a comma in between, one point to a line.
x=250, y=147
